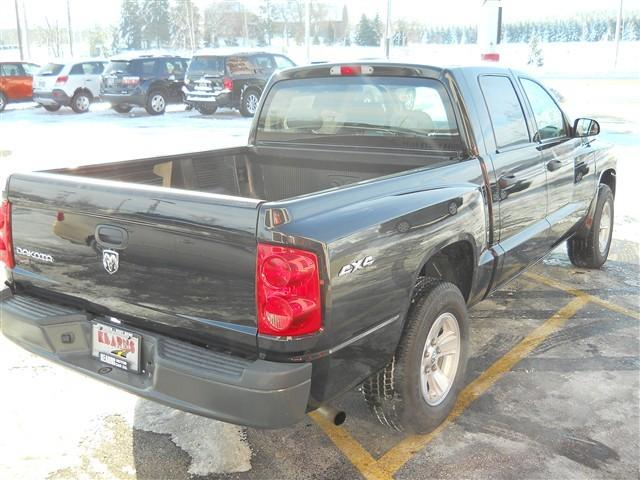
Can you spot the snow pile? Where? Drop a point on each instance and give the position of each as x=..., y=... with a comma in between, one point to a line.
x=214, y=447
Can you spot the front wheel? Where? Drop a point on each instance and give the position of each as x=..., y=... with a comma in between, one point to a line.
x=249, y=103
x=120, y=108
x=52, y=108
x=591, y=249
x=206, y=109
x=418, y=388
x=156, y=103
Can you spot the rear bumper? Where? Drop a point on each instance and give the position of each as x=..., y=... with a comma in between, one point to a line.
x=124, y=98
x=55, y=97
x=256, y=393
x=221, y=98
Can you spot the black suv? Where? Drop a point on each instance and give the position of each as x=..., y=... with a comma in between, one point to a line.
x=233, y=80
x=147, y=81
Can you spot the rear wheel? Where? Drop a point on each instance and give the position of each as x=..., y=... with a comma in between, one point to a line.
x=52, y=108
x=156, y=103
x=591, y=249
x=80, y=102
x=120, y=108
x=3, y=101
x=418, y=388
x=249, y=103
x=206, y=109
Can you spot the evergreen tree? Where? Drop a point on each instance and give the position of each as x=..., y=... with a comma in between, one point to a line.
x=535, y=53
x=366, y=33
x=156, y=22
x=130, y=31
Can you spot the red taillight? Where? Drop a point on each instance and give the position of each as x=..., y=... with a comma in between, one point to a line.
x=227, y=83
x=348, y=70
x=130, y=81
x=61, y=80
x=351, y=70
x=287, y=291
x=6, y=246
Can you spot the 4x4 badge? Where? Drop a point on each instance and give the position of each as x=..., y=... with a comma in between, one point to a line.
x=110, y=261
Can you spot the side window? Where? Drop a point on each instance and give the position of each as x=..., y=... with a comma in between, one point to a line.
x=30, y=68
x=505, y=111
x=263, y=63
x=549, y=119
x=77, y=69
x=10, y=70
x=147, y=68
x=173, y=67
x=96, y=68
x=240, y=66
x=282, y=62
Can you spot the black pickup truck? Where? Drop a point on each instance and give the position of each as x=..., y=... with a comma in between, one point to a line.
x=373, y=205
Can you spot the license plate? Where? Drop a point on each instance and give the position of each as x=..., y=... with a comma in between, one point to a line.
x=116, y=347
x=41, y=84
x=202, y=87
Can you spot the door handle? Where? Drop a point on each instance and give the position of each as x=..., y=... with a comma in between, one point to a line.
x=111, y=237
x=506, y=181
x=554, y=165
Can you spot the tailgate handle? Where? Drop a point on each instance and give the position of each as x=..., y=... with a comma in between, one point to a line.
x=110, y=236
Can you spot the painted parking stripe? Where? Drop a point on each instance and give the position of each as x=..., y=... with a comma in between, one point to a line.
x=579, y=293
x=397, y=456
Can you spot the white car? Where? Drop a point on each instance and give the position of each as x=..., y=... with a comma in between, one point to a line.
x=74, y=84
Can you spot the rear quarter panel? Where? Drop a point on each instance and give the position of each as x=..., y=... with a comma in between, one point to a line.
x=400, y=221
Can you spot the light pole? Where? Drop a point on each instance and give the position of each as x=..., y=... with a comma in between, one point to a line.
x=69, y=28
x=387, y=31
x=19, y=30
x=307, y=28
x=617, y=39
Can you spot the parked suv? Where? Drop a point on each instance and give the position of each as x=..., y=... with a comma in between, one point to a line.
x=147, y=81
x=16, y=82
x=74, y=84
x=235, y=80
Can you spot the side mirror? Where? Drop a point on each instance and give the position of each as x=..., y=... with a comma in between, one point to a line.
x=585, y=127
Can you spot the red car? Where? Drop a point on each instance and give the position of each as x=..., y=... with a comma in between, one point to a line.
x=16, y=82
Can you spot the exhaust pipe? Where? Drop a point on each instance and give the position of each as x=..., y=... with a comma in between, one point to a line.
x=335, y=416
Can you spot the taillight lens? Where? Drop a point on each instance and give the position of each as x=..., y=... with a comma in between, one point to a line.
x=287, y=291
x=61, y=80
x=6, y=246
x=130, y=81
x=227, y=83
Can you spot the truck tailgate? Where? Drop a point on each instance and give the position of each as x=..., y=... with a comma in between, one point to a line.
x=168, y=258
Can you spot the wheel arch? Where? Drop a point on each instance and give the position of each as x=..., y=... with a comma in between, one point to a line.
x=608, y=177
x=453, y=261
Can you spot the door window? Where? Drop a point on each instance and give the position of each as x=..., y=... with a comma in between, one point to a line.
x=505, y=111
x=549, y=118
x=10, y=70
x=77, y=69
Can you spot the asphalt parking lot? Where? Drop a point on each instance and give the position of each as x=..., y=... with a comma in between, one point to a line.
x=553, y=385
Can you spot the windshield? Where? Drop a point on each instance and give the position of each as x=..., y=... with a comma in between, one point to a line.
x=51, y=69
x=118, y=66
x=206, y=66
x=391, y=112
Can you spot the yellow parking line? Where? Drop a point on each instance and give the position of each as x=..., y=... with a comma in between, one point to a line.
x=355, y=453
x=579, y=293
x=395, y=458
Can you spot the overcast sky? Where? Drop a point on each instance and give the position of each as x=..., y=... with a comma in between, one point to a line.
x=86, y=13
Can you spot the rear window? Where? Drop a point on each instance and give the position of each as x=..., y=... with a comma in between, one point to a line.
x=119, y=66
x=367, y=111
x=51, y=69
x=206, y=66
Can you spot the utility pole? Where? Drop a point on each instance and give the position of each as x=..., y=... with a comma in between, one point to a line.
x=27, y=39
x=307, y=28
x=19, y=30
x=246, y=29
x=387, y=32
x=617, y=39
x=69, y=28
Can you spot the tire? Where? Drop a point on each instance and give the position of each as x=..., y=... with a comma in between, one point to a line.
x=121, y=108
x=3, y=101
x=206, y=109
x=80, y=102
x=52, y=108
x=403, y=394
x=591, y=249
x=249, y=102
x=156, y=103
